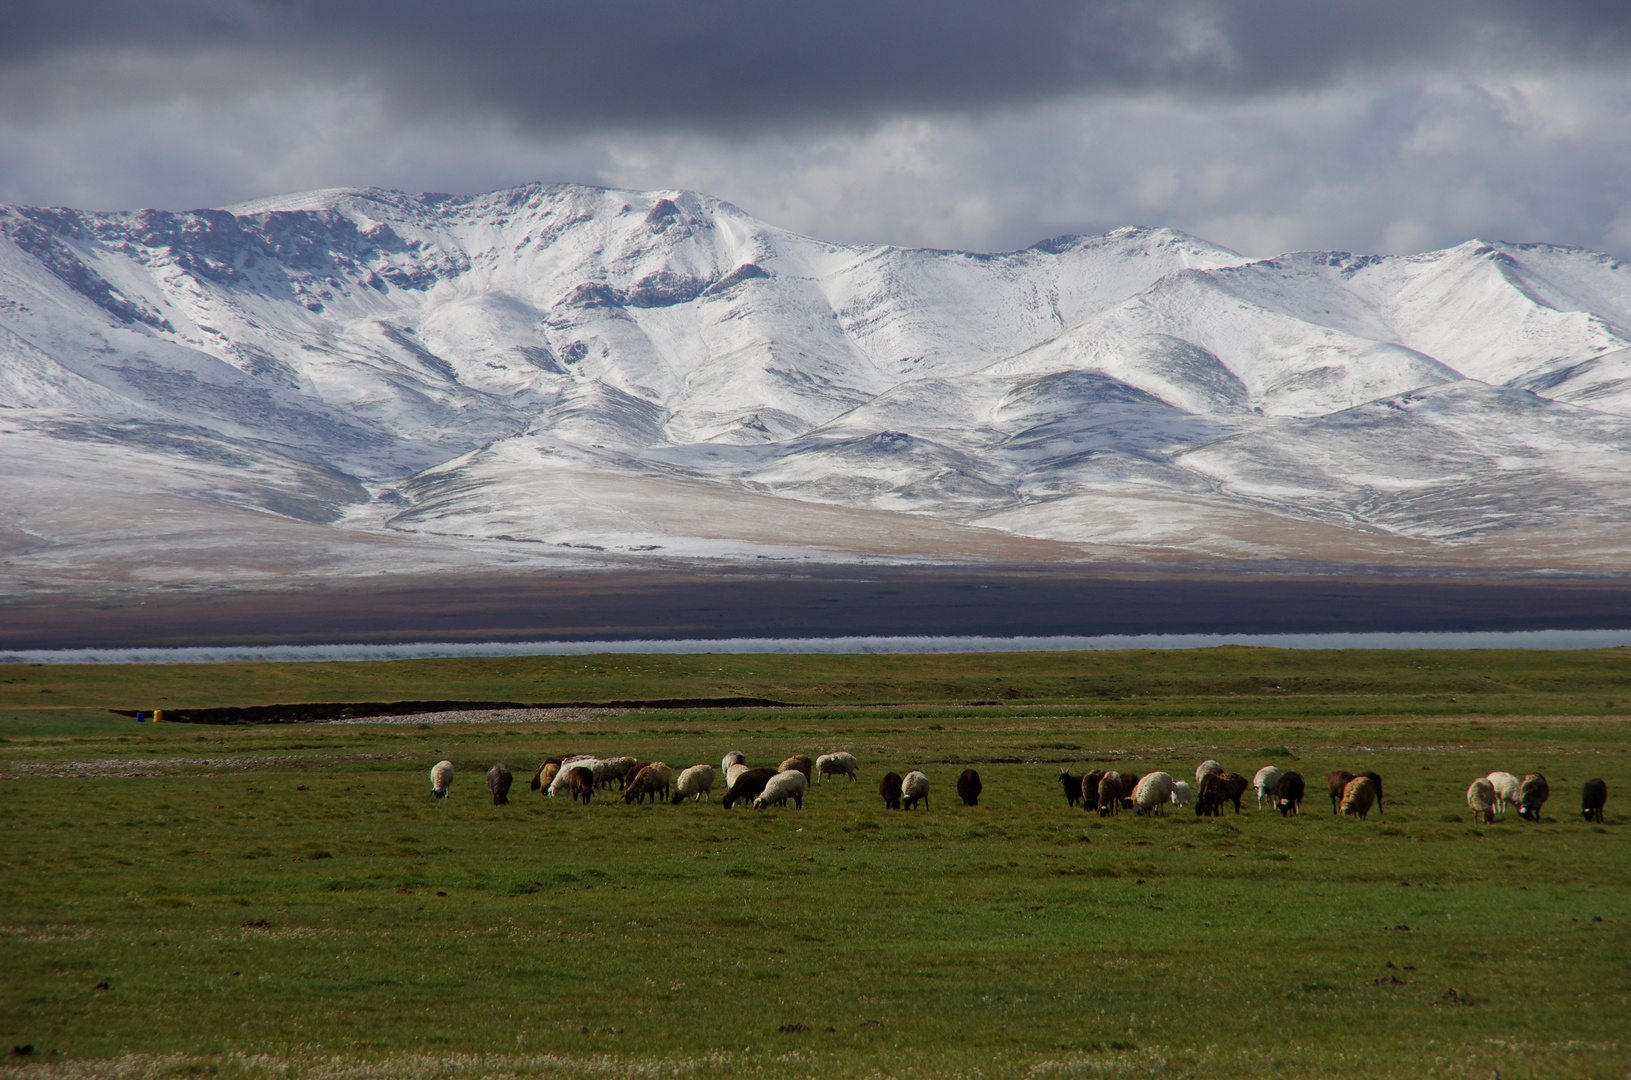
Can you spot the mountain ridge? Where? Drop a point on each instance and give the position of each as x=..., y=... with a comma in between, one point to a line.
x=482, y=373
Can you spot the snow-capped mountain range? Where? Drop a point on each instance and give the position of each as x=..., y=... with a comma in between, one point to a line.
x=557, y=369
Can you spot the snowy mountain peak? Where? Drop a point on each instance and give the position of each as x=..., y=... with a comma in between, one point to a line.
x=453, y=364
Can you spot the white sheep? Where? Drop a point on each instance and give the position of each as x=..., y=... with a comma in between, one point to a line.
x=732, y=771
x=1267, y=783
x=1151, y=793
x=1506, y=790
x=733, y=758
x=1207, y=766
x=835, y=764
x=913, y=787
x=783, y=786
x=559, y=784
x=611, y=769
x=694, y=782
x=1180, y=793
x=1481, y=798
x=441, y=779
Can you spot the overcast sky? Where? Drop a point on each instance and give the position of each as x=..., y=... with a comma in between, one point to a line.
x=1266, y=125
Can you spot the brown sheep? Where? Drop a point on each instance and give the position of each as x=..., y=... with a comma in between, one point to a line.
x=582, y=783
x=800, y=762
x=1375, y=778
x=1129, y=783
x=631, y=772
x=1358, y=797
x=968, y=787
x=653, y=780
x=545, y=774
x=1090, y=788
x=1336, y=782
x=1109, y=794
x=748, y=786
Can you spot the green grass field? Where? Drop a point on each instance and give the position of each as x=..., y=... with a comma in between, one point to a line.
x=289, y=901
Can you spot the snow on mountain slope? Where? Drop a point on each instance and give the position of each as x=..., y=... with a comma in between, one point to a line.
x=637, y=372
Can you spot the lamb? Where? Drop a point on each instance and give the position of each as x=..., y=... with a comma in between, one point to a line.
x=1090, y=788
x=1481, y=798
x=1152, y=793
x=747, y=786
x=694, y=783
x=889, y=787
x=836, y=764
x=1532, y=795
x=441, y=779
x=968, y=787
x=1109, y=794
x=545, y=774
x=1180, y=793
x=581, y=780
x=913, y=789
x=1336, y=782
x=1593, y=794
x=798, y=762
x=735, y=769
x=733, y=758
x=1506, y=790
x=498, y=782
x=1358, y=797
x=788, y=784
x=651, y=780
x=1207, y=766
x=1267, y=783
x=1289, y=795
x=1072, y=786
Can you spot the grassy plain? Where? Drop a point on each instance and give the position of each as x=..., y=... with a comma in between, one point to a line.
x=288, y=901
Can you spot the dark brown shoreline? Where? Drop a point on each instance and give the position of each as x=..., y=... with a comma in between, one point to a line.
x=820, y=601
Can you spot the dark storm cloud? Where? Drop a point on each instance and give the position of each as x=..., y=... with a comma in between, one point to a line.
x=744, y=64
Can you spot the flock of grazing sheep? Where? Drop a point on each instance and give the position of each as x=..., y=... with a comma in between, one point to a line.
x=1106, y=792
x=1489, y=796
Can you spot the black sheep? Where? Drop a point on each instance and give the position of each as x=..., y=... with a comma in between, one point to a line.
x=1209, y=800
x=498, y=782
x=1072, y=786
x=1289, y=795
x=1532, y=795
x=889, y=788
x=748, y=786
x=1592, y=797
x=968, y=787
